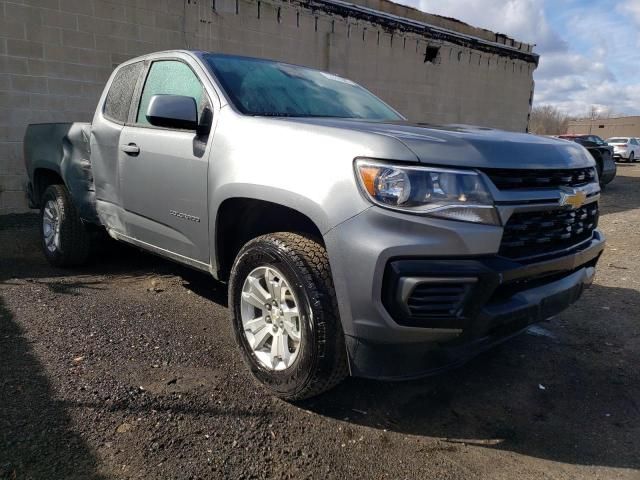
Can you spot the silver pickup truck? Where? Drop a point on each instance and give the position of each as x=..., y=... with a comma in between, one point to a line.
x=352, y=241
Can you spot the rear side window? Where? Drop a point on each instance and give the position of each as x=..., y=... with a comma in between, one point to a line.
x=170, y=77
x=118, y=102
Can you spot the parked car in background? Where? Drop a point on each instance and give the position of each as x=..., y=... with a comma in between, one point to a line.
x=625, y=148
x=602, y=153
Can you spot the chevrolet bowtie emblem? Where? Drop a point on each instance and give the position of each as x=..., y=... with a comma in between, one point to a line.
x=573, y=198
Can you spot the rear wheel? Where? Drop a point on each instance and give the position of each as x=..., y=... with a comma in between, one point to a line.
x=65, y=240
x=285, y=315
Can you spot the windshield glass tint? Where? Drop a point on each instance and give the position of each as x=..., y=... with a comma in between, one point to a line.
x=617, y=140
x=262, y=87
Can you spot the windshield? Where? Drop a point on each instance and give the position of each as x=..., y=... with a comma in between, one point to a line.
x=267, y=88
x=617, y=140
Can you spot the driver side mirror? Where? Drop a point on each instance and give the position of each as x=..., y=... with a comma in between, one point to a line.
x=173, y=111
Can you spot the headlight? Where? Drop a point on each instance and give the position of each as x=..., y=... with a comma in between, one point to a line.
x=452, y=194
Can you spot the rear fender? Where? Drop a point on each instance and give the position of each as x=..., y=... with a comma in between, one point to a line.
x=63, y=148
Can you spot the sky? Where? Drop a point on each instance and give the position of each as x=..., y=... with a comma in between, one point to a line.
x=589, y=49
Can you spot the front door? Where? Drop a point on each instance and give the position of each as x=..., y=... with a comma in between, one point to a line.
x=163, y=173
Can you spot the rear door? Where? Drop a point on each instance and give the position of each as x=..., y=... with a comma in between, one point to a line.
x=163, y=172
x=106, y=128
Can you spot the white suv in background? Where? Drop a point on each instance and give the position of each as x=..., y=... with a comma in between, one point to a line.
x=625, y=148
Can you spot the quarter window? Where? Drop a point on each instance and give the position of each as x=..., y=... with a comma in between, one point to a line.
x=118, y=101
x=170, y=77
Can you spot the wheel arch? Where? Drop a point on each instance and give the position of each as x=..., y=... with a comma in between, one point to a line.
x=240, y=219
x=42, y=179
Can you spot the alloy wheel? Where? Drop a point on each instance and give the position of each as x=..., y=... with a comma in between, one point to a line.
x=51, y=226
x=270, y=317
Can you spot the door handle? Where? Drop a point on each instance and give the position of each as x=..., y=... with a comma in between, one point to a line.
x=131, y=149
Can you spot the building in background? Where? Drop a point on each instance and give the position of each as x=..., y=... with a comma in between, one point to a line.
x=606, y=127
x=56, y=55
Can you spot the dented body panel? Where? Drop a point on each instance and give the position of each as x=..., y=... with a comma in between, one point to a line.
x=62, y=148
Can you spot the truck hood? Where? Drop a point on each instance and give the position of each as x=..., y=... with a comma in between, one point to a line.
x=469, y=146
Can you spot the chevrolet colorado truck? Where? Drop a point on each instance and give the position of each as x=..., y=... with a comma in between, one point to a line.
x=352, y=241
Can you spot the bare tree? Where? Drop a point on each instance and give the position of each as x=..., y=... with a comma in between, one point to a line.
x=596, y=113
x=548, y=120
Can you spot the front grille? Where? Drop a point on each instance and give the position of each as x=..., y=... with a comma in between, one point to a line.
x=533, y=233
x=510, y=179
x=437, y=300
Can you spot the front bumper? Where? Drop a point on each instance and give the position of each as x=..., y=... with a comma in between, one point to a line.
x=374, y=253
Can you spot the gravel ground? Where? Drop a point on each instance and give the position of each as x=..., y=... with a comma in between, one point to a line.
x=128, y=369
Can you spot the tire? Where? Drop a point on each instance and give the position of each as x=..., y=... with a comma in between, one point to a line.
x=319, y=361
x=58, y=213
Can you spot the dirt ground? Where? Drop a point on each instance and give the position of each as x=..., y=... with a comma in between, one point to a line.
x=128, y=369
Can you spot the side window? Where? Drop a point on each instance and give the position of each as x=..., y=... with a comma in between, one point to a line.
x=118, y=101
x=170, y=77
x=634, y=141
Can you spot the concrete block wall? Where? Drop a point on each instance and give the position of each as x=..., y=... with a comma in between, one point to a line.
x=56, y=55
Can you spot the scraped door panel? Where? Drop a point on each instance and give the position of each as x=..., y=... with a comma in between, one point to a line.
x=107, y=126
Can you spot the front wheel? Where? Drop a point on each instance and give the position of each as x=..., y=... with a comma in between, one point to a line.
x=65, y=240
x=285, y=315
